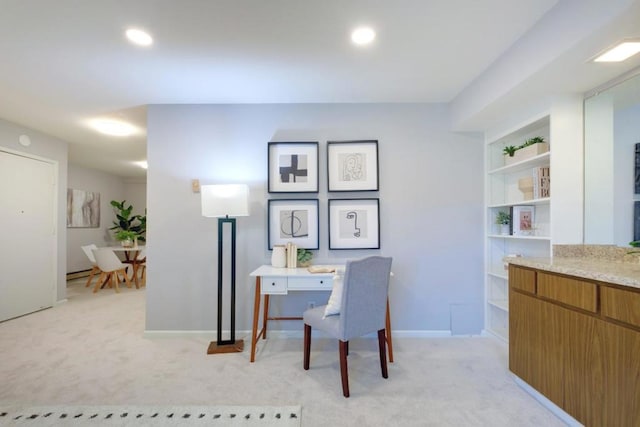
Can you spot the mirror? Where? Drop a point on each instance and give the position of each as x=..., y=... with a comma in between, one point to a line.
x=611, y=132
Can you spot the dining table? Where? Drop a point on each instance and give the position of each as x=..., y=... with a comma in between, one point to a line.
x=131, y=256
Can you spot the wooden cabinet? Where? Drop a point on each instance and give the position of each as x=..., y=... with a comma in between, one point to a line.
x=564, y=343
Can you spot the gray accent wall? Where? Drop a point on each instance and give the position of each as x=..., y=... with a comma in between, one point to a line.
x=431, y=198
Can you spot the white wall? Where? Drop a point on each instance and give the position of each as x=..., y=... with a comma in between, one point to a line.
x=430, y=200
x=110, y=187
x=53, y=149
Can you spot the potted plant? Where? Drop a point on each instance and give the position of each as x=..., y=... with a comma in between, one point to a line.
x=503, y=219
x=530, y=148
x=304, y=257
x=127, y=222
x=126, y=237
x=509, y=150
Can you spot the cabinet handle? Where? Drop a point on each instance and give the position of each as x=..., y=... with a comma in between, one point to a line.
x=273, y=283
x=321, y=282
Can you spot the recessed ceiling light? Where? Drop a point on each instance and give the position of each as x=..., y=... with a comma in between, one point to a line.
x=139, y=37
x=620, y=52
x=143, y=164
x=363, y=36
x=113, y=127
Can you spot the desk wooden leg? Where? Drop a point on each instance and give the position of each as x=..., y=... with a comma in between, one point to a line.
x=256, y=314
x=265, y=317
x=388, y=327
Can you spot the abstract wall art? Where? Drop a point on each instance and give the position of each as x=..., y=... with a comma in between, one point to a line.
x=293, y=167
x=294, y=221
x=83, y=209
x=352, y=165
x=354, y=224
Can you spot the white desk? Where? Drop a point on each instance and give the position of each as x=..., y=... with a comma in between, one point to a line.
x=279, y=281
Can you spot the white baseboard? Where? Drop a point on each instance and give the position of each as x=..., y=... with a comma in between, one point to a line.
x=284, y=334
x=555, y=409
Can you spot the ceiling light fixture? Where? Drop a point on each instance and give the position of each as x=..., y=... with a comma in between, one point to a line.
x=139, y=37
x=620, y=52
x=363, y=36
x=113, y=127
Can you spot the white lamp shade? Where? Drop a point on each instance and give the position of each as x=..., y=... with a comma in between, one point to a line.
x=225, y=200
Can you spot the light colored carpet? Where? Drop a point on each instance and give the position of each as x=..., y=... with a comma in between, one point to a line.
x=90, y=351
x=140, y=416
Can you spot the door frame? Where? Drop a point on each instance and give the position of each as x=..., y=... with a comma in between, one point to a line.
x=56, y=234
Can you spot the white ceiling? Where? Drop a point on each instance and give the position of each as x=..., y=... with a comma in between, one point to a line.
x=67, y=61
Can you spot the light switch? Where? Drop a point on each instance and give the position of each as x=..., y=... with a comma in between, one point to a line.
x=195, y=185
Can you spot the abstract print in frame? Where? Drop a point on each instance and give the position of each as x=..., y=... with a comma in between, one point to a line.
x=294, y=221
x=83, y=209
x=352, y=165
x=354, y=224
x=292, y=167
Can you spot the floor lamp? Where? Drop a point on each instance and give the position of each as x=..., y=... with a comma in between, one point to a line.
x=223, y=202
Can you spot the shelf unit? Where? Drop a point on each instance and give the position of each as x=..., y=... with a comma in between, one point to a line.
x=502, y=193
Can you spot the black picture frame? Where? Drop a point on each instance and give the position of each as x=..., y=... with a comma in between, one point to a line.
x=637, y=169
x=354, y=223
x=292, y=167
x=352, y=166
x=282, y=213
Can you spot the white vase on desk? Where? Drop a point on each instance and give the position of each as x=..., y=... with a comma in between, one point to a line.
x=279, y=256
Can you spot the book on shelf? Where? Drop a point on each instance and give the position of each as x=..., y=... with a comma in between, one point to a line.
x=541, y=182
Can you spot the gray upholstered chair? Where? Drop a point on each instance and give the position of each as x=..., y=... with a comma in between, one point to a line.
x=363, y=310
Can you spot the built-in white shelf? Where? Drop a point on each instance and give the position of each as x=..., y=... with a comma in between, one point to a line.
x=502, y=190
x=501, y=304
x=511, y=237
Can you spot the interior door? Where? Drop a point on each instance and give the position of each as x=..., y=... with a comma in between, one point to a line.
x=27, y=252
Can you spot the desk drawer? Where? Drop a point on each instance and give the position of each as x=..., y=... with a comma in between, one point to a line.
x=310, y=283
x=273, y=285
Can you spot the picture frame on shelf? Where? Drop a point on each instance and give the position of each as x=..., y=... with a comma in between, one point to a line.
x=352, y=165
x=292, y=167
x=293, y=220
x=523, y=220
x=354, y=224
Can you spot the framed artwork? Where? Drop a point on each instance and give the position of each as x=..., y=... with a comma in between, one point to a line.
x=293, y=167
x=636, y=220
x=352, y=165
x=83, y=209
x=354, y=224
x=523, y=220
x=637, y=170
x=294, y=221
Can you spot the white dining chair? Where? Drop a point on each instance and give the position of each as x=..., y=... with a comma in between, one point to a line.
x=88, y=251
x=110, y=265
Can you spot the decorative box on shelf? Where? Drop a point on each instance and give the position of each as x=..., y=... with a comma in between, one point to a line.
x=526, y=153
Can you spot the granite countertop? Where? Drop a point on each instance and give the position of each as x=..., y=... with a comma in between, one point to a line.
x=604, y=270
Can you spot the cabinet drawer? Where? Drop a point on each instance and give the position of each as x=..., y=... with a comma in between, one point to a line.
x=573, y=292
x=310, y=283
x=273, y=285
x=522, y=279
x=621, y=305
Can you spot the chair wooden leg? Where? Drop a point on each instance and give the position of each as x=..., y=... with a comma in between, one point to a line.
x=382, y=340
x=126, y=278
x=99, y=282
x=343, y=367
x=307, y=346
x=93, y=272
x=114, y=278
